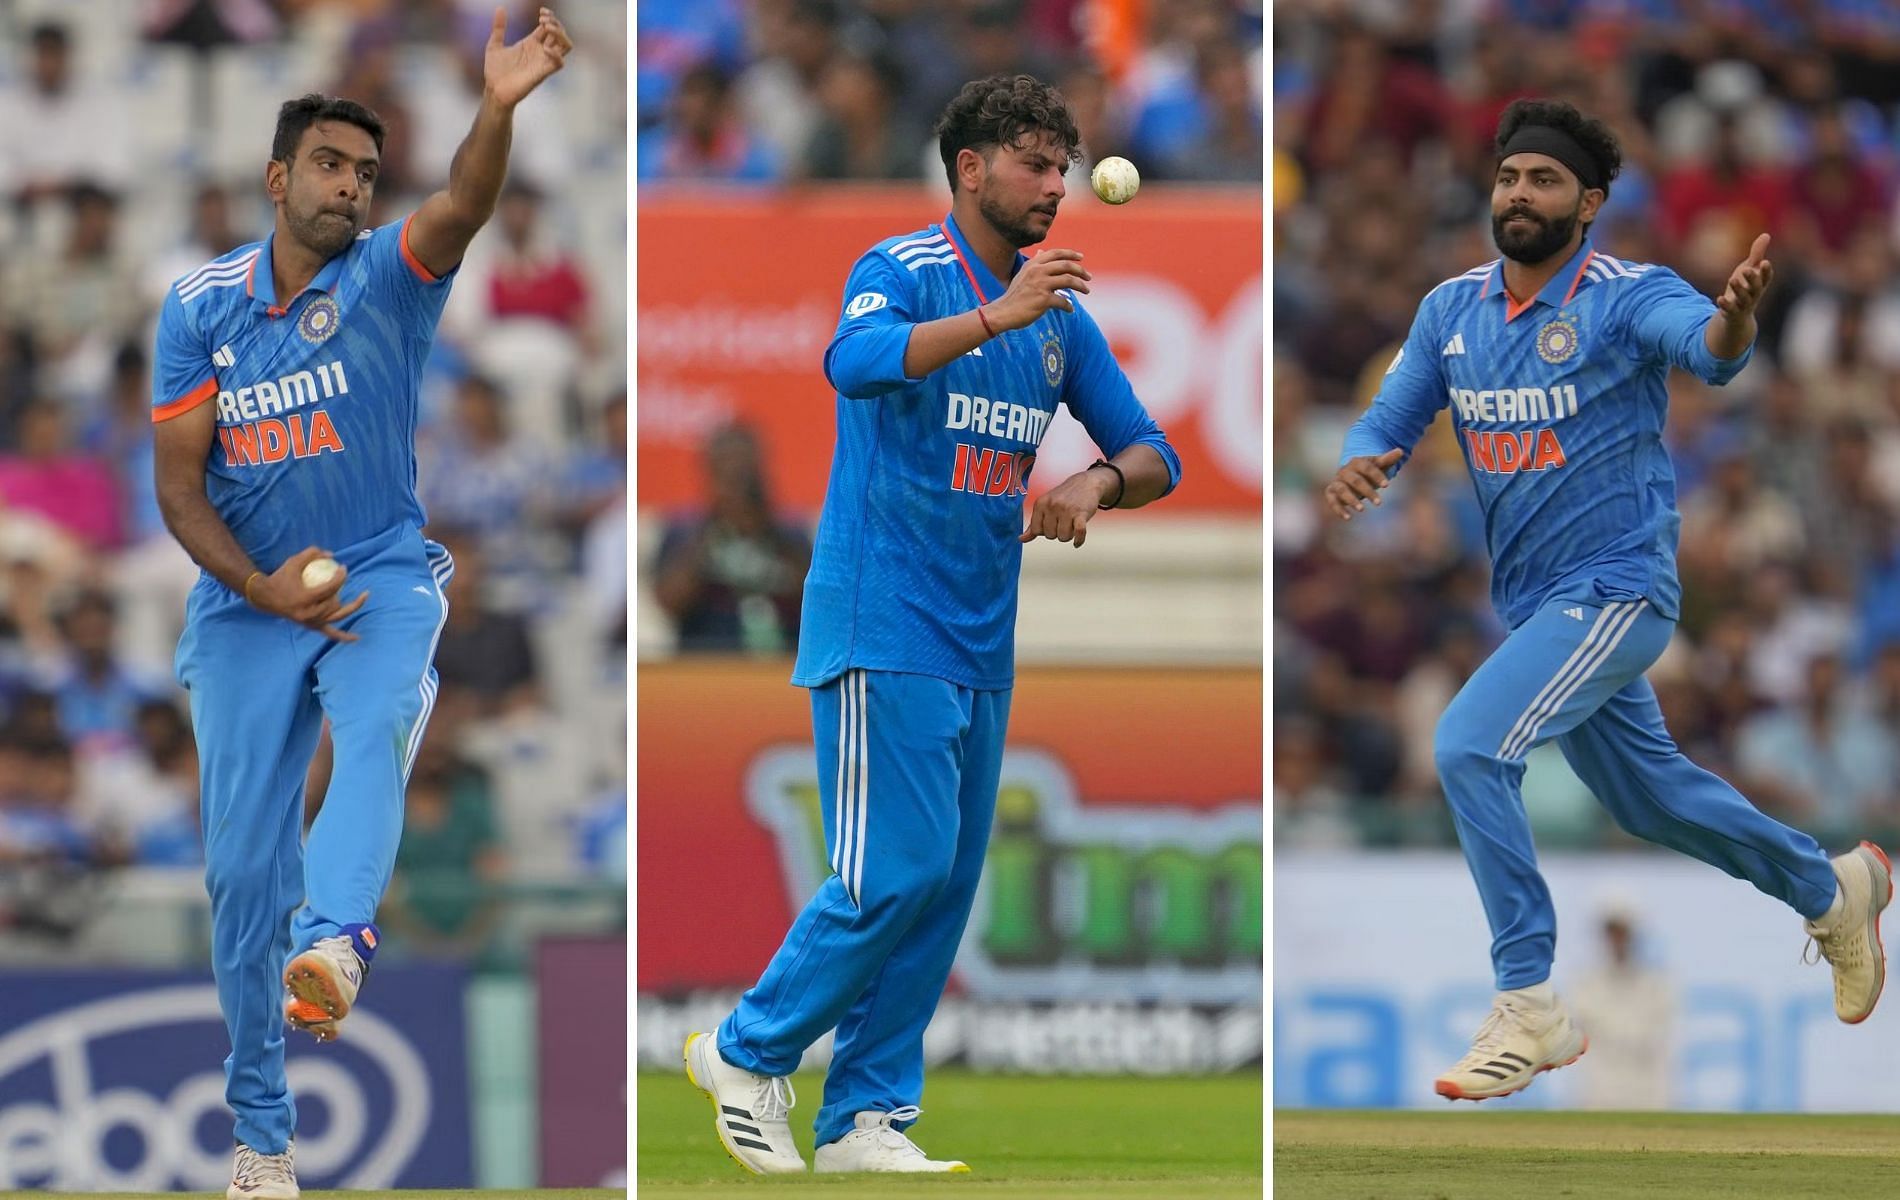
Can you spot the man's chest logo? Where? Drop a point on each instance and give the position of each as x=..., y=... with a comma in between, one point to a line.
x=1052, y=360
x=319, y=320
x=1557, y=342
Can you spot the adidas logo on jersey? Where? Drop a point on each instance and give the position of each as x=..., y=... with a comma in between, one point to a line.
x=224, y=358
x=1575, y=614
x=1456, y=345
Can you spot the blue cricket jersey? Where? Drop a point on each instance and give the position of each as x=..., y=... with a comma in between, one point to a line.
x=915, y=565
x=1559, y=406
x=316, y=396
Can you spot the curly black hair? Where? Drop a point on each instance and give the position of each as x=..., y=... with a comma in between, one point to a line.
x=1003, y=110
x=300, y=114
x=1593, y=135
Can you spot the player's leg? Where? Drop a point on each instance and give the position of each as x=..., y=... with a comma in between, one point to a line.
x=1550, y=673
x=889, y=757
x=256, y=725
x=377, y=692
x=1626, y=756
x=877, y=1067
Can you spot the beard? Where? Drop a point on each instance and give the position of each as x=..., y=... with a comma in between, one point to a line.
x=325, y=233
x=1013, y=227
x=1543, y=238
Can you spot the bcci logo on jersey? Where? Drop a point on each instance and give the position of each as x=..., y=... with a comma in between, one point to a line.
x=1557, y=342
x=1052, y=360
x=319, y=320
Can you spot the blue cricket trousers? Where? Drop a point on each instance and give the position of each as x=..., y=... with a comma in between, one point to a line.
x=910, y=765
x=260, y=688
x=1574, y=672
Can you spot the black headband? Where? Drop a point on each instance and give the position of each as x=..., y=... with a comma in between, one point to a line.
x=1547, y=139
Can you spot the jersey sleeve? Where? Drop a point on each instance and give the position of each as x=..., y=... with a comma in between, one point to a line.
x=865, y=357
x=1666, y=320
x=1097, y=391
x=414, y=292
x=1408, y=398
x=182, y=372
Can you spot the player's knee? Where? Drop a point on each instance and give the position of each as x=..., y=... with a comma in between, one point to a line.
x=1455, y=751
x=239, y=875
x=378, y=718
x=904, y=886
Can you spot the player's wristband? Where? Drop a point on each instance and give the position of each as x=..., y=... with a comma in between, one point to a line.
x=1121, y=481
x=985, y=320
x=248, y=580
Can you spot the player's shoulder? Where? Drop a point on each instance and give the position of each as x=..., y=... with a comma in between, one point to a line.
x=1463, y=288
x=231, y=269
x=917, y=251
x=1621, y=275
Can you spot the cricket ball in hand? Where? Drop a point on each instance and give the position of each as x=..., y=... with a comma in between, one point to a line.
x=1115, y=180
x=319, y=571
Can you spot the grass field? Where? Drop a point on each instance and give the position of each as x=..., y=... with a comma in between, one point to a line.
x=1476, y=1155
x=1183, y=1139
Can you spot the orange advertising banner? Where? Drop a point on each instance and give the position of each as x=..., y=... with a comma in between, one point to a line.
x=1144, y=784
x=739, y=294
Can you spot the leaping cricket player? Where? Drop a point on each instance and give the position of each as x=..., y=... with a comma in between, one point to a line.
x=1552, y=361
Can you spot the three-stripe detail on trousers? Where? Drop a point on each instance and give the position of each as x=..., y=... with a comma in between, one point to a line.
x=851, y=804
x=1612, y=623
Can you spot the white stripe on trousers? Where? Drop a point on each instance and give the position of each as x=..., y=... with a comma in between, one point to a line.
x=864, y=789
x=442, y=570
x=1611, y=625
x=853, y=792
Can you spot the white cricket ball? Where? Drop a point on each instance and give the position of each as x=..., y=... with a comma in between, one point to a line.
x=1115, y=180
x=319, y=571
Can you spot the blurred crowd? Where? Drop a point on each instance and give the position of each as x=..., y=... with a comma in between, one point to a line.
x=783, y=91
x=118, y=174
x=1735, y=118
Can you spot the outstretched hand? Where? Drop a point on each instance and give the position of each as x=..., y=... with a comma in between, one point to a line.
x=511, y=72
x=1747, y=283
x=1360, y=480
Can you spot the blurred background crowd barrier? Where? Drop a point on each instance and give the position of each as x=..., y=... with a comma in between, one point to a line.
x=1784, y=676
x=133, y=139
x=1119, y=925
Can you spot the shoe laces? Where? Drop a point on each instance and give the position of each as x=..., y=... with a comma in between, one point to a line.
x=1837, y=950
x=255, y=1167
x=896, y=1139
x=341, y=951
x=773, y=1099
x=1497, y=1026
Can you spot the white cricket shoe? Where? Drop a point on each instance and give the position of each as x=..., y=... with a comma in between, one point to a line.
x=1520, y=1039
x=749, y=1111
x=1849, y=936
x=256, y=1176
x=875, y=1146
x=320, y=986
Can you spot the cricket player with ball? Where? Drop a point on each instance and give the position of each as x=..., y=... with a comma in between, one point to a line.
x=1552, y=360
x=285, y=398
x=952, y=352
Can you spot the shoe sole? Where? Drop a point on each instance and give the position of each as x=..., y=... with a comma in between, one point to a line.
x=317, y=1005
x=719, y=1127
x=1880, y=951
x=1451, y=1091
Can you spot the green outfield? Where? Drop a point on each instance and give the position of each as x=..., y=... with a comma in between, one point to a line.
x=1470, y=1154
x=1023, y=1136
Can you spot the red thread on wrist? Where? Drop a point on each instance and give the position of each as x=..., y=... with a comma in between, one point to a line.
x=985, y=320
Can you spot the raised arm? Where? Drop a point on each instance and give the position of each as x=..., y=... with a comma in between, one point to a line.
x=442, y=228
